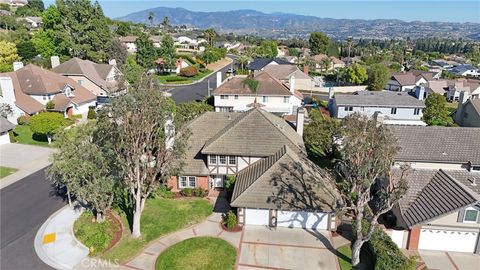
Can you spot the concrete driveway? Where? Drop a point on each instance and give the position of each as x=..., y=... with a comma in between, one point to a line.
x=285, y=248
x=441, y=260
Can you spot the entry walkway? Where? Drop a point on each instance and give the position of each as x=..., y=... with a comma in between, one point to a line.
x=210, y=227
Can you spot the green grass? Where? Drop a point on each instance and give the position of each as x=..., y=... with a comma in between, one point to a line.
x=96, y=236
x=6, y=171
x=346, y=251
x=23, y=134
x=208, y=253
x=160, y=217
x=186, y=80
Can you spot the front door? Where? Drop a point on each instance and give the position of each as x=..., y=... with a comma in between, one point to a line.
x=218, y=181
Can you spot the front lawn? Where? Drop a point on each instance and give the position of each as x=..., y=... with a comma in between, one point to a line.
x=176, y=79
x=199, y=253
x=6, y=171
x=96, y=236
x=160, y=217
x=345, y=257
x=23, y=134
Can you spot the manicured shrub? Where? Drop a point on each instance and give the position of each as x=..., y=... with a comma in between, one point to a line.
x=50, y=105
x=188, y=71
x=175, y=79
x=162, y=192
x=11, y=135
x=230, y=220
x=22, y=120
x=230, y=182
x=198, y=192
x=91, y=113
x=187, y=192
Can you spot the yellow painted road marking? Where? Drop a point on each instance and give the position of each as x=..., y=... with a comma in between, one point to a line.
x=49, y=238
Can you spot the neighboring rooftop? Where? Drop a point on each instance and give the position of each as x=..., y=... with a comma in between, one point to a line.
x=434, y=193
x=283, y=72
x=284, y=181
x=259, y=63
x=438, y=144
x=5, y=125
x=379, y=99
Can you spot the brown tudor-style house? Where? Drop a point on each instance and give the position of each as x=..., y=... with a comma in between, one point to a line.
x=268, y=158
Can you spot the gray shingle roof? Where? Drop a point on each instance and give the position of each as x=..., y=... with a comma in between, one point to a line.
x=256, y=133
x=259, y=63
x=434, y=193
x=285, y=181
x=97, y=73
x=5, y=125
x=438, y=144
x=379, y=99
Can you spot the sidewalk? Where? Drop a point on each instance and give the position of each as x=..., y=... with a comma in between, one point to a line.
x=55, y=243
x=26, y=159
x=210, y=227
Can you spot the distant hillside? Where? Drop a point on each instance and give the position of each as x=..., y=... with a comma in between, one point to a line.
x=283, y=25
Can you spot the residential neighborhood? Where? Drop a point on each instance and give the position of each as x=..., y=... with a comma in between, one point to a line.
x=135, y=136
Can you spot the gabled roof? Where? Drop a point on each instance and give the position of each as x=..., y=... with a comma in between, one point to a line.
x=97, y=73
x=259, y=63
x=5, y=125
x=437, y=144
x=379, y=99
x=284, y=181
x=267, y=86
x=284, y=72
x=434, y=193
x=256, y=133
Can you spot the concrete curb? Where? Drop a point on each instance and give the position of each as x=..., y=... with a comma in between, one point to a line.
x=202, y=79
x=22, y=173
x=43, y=253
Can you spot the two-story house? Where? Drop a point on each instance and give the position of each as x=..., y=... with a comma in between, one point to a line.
x=100, y=79
x=27, y=90
x=283, y=73
x=405, y=82
x=258, y=148
x=441, y=209
x=399, y=108
x=468, y=111
x=272, y=95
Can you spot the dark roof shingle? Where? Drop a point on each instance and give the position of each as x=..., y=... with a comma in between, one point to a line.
x=379, y=99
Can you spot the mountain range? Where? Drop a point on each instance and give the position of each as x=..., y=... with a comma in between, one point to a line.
x=284, y=25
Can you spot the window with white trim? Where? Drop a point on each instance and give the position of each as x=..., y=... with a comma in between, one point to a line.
x=213, y=159
x=223, y=159
x=236, y=96
x=286, y=99
x=187, y=182
x=223, y=97
x=265, y=99
x=416, y=111
x=471, y=215
x=348, y=108
x=393, y=111
x=232, y=160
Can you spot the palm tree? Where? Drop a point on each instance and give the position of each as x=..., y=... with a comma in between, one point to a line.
x=165, y=24
x=349, y=42
x=151, y=17
x=210, y=36
x=243, y=60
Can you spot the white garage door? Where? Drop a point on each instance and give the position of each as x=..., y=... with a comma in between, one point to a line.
x=447, y=240
x=256, y=216
x=297, y=219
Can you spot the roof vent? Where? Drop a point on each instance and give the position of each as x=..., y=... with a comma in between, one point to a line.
x=444, y=154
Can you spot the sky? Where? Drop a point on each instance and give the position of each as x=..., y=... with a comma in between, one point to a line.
x=407, y=10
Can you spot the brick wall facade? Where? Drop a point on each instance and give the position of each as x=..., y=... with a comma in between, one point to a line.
x=414, y=238
x=202, y=182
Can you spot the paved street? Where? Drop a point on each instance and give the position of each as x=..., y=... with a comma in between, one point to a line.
x=198, y=91
x=24, y=205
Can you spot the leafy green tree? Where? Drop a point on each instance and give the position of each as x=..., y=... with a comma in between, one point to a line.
x=33, y=8
x=293, y=52
x=132, y=71
x=116, y=50
x=51, y=39
x=50, y=105
x=4, y=6
x=268, y=49
x=146, y=53
x=47, y=123
x=364, y=180
x=8, y=55
x=318, y=42
x=395, y=67
x=243, y=60
x=189, y=111
x=320, y=134
x=332, y=49
x=137, y=131
x=123, y=29
x=81, y=167
x=26, y=50
x=436, y=112
x=167, y=51
x=355, y=74
x=378, y=75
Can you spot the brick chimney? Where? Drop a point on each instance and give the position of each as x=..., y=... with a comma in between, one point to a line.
x=291, y=84
x=305, y=69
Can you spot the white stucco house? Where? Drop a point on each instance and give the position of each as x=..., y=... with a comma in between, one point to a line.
x=272, y=95
x=392, y=107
